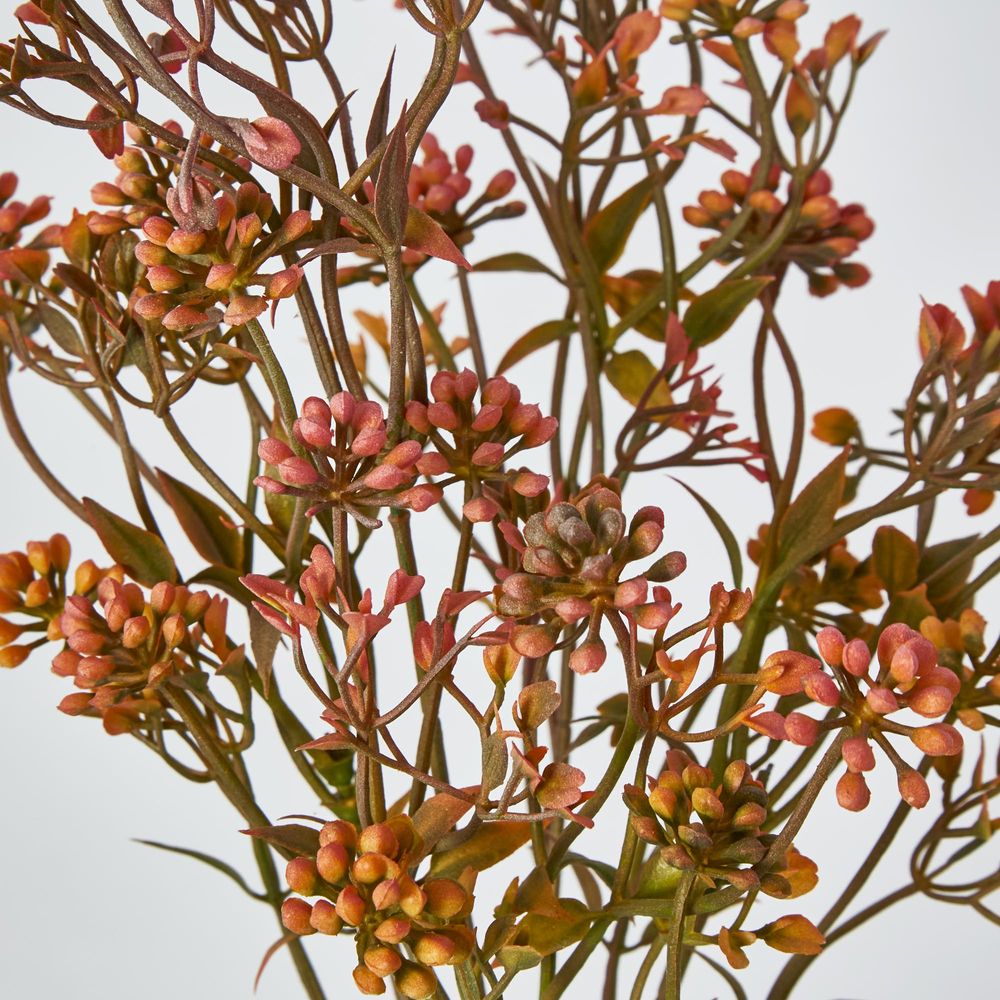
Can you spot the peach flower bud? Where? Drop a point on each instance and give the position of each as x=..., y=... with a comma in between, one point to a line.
x=386, y=477
x=162, y=278
x=184, y=243
x=937, y=740
x=295, y=226
x=342, y=408
x=852, y=792
x=392, y=930
x=529, y=484
x=370, y=868
x=445, y=898
x=930, y=701
x=338, y=831
x=378, y=839
x=913, y=788
x=300, y=874
x=488, y=453
x=382, y=960
x=480, y=509
x=368, y=442
x=332, y=862
x=350, y=906
x=135, y=632
x=157, y=230
x=588, y=658
x=295, y=915
x=904, y=664
x=415, y=982
x=419, y=498
x=183, y=317
x=285, y=284
x=367, y=982
x=324, y=917
x=221, y=276
x=75, y=704
x=433, y=949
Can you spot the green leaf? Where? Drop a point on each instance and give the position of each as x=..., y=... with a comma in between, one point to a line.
x=624, y=293
x=910, y=607
x=142, y=553
x=812, y=513
x=208, y=859
x=606, y=233
x=205, y=523
x=895, y=558
x=514, y=262
x=659, y=879
x=723, y=531
x=631, y=373
x=946, y=566
x=60, y=328
x=712, y=314
x=294, y=838
x=491, y=843
x=535, y=339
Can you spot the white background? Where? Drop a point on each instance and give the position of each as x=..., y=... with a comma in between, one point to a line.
x=88, y=913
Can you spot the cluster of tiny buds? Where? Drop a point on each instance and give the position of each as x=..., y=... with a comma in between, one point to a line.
x=908, y=676
x=713, y=826
x=361, y=885
x=480, y=440
x=825, y=234
x=121, y=654
x=203, y=278
x=15, y=215
x=340, y=460
x=33, y=585
x=572, y=556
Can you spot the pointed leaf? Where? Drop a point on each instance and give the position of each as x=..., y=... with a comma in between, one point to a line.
x=437, y=816
x=491, y=843
x=724, y=532
x=379, y=125
x=206, y=524
x=812, y=513
x=264, y=639
x=142, y=553
x=631, y=373
x=294, y=838
x=606, y=233
x=894, y=559
x=536, y=338
x=514, y=262
x=714, y=312
x=60, y=328
x=212, y=862
x=269, y=954
x=391, y=198
x=424, y=234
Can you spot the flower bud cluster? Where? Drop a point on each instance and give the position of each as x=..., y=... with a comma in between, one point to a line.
x=713, y=827
x=15, y=215
x=906, y=675
x=825, y=234
x=341, y=460
x=473, y=443
x=33, y=585
x=961, y=648
x=206, y=277
x=573, y=556
x=361, y=885
x=123, y=647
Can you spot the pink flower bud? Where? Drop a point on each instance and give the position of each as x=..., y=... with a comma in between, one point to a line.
x=432, y=463
x=852, y=792
x=857, y=754
x=135, y=632
x=857, y=658
x=913, y=788
x=419, y=498
x=881, y=700
x=243, y=309
x=298, y=471
x=183, y=318
x=588, y=658
x=220, y=276
x=831, y=643
x=157, y=230
x=416, y=416
x=523, y=418
x=152, y=306
x=295, y=915
x=892, y=637
x=821, y=688
x=500, y=185
x=631, y=592
x=487, y=418
x=273, y=451
x=91, y=670
x=443, y=416
x=443, y=386
x=904, y=664
x=342, y=408
x=488, y=453
x=480, y=509
x=466, y=384
x=802, y=730
x=569, y=609
x=541, y=433
x=311, y=433
x=404, y=455
x=497, y=391
x=368, y=442
x=285, y=284
x=529, y=484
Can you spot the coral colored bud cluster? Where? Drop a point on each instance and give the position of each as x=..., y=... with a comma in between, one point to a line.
x=341, y=460
x=473, y=443
x=862, y=694
x=825, y=233
x=362, y=885
x=573, y=556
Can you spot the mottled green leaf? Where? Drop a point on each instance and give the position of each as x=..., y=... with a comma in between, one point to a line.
x=606, y=233
x=714, y=312
x=142, y=553
x=206, y=524
x=535, y=339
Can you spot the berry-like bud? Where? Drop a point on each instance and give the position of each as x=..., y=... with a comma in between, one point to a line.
x=350, y=906
x=332, y=862
x=367, y=982
x=296, y=914
x=382, y=960
x=415, y=982
x=913, y=788
x=434, y=949
x=378, y=839
x=300, y=874
x=324, y=917
x=445, y=898
x=852, y=791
